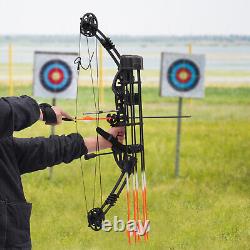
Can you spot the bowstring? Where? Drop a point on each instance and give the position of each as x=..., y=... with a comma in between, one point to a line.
x=98, y=116
x=96, y=105
x=76, y=125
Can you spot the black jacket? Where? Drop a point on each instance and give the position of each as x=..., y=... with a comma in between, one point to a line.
x=19, y=156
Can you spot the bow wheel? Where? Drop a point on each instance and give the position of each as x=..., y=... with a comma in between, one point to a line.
x=89, y=25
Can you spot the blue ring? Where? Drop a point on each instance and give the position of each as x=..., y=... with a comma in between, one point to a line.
x=191, y=67
x=46, y=76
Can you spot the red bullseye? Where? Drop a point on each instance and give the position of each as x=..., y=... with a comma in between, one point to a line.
x=183, y=75
x=56, y=76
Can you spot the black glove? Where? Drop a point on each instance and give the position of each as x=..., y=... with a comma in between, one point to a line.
x=49, y=115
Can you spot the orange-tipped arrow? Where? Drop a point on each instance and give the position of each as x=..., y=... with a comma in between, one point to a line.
x=90, y=118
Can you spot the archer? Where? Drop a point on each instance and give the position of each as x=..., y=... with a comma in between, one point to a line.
x=25, y=155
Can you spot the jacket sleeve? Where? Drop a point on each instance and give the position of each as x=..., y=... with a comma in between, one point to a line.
x=17, y=113
x=39, y=153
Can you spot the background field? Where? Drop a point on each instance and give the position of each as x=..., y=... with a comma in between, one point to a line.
x=208, y=207
x=227, y=57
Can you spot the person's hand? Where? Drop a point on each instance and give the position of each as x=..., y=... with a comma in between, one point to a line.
x=91, y=142
x=52, y=115
x=118, y=132
x=60, y=114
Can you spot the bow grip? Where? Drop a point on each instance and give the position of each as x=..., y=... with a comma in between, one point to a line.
x=107, y=136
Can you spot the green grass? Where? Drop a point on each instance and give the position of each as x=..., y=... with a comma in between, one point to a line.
x=207, y=207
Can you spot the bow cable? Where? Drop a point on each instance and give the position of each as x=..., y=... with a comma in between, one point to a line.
x=76, y=123
x=98, y=117
x=97, y=106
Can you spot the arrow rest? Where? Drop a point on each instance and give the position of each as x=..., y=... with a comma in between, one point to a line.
x=113, y=119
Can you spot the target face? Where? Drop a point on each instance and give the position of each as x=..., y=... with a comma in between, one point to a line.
x=183, y=75
x=55, y=76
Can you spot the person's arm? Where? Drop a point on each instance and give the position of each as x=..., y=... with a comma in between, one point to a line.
x=39, y=153
x=17, y=113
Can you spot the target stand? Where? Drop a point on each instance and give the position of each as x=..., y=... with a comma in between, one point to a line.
x=55, y=76
x=182, y=76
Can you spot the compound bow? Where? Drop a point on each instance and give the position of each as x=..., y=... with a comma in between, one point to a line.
x=126, y=87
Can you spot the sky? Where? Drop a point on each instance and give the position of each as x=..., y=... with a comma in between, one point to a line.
x=127, y=17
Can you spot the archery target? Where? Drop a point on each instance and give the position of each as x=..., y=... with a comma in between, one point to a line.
x=182, y=75
x=55, y=75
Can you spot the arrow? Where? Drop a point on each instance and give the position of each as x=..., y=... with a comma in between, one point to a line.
x=85, y=118
x=99, y=112
x=90, y=118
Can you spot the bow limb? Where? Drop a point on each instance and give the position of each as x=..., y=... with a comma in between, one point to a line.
x=89, y=28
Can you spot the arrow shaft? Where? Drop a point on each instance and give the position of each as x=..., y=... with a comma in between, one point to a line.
x=169, y=117
x=88, y=118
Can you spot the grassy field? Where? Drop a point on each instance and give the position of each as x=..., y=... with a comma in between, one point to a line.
x=207, y=207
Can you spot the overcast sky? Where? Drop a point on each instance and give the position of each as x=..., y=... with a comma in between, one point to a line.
x=127, y=17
